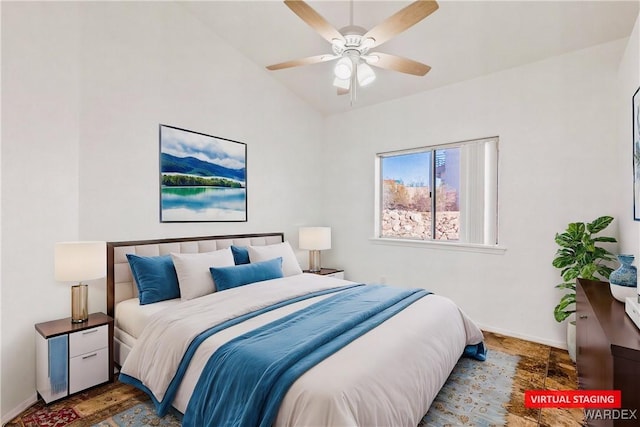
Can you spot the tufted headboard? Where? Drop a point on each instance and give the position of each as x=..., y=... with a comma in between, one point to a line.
x=120, y=285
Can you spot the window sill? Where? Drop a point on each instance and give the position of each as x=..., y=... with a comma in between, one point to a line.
x=443, y=245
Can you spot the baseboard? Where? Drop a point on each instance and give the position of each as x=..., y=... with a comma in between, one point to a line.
x=19, y=409
x=551, y=343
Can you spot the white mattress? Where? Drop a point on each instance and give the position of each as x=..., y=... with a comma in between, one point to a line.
x=131, y=317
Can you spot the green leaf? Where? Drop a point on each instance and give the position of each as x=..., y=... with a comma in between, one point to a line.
x=565, y=240
x=599, y=224
x=604, y=271
x=563, y=261
x=576, y=230
x=571, y=274
x=567, y=299
x=583, y=258
x=605, y=239
x=561, y=315
x=589, y=245
x=565, y=252
x=588, y=270
x=561, y=312
x=567, y=285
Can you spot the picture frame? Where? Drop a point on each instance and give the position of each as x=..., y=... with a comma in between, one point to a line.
x=635, y=118
x=203, y=178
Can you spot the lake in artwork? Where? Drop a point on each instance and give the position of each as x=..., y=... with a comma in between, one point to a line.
x=203, y=203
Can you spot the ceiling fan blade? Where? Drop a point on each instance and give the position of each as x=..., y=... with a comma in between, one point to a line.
x=303, y=61
x=401, y=21
x=314, y=20
x=342, y=91
x=397, y=63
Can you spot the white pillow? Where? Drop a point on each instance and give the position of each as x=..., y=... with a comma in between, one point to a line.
x=194, y=277
x=290, y=264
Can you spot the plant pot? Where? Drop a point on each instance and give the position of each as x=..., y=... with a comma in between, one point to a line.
x=571, y=340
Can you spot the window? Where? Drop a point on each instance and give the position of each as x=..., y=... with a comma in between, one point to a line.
x=439, y=193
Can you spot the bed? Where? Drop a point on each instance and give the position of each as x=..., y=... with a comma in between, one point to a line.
x=386, y=372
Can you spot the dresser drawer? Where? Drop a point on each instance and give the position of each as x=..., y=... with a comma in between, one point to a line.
x=82, y=342
x=88, y=370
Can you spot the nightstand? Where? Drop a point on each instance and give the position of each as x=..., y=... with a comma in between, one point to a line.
x=71, y=357
x=331, y=272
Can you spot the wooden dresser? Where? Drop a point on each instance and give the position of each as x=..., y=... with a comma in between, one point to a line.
x=607, y=348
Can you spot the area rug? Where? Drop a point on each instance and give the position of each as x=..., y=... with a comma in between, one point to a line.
x=475, y=394
x=143, y=414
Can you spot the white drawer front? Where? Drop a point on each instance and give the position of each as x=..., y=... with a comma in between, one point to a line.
x=82, y=342
x=88, y=370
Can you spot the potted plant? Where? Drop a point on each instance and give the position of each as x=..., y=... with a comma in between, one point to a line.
x=579, y=256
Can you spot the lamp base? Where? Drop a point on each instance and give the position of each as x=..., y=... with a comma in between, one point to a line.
x=79, y=304
x=314, y=261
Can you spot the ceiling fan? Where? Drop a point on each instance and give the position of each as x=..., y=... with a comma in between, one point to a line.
x=352, y=45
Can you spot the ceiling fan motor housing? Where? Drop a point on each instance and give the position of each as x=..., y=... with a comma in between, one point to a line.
x=353, y=43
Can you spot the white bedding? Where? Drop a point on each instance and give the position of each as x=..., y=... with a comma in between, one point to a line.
x=388, y=376
x=131, y=317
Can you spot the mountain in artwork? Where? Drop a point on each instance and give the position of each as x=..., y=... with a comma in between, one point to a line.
x=197, y=167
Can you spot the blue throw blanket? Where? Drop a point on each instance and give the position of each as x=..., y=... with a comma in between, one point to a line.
x=476, y=351
x=163, y=406
x=58, y=363
x=245, y=380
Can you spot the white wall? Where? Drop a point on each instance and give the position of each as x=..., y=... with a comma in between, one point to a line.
x=40, y=134
x=85, y=86
x=628, y=83
x=556, y=124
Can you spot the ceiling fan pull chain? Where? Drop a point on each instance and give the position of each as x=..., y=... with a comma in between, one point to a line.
x=354, y=87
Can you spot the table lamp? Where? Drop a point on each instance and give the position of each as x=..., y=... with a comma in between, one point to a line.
x=314, y=239
x=75, y=262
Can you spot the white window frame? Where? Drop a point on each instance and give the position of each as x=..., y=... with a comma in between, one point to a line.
x=478, y=156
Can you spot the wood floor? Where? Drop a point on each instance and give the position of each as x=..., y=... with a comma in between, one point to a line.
x=540, y=368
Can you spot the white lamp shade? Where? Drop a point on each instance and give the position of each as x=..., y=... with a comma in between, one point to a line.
x=314, y=238
x=365, y=74
x=343, y=68
x=342, y=83
x=78, y=261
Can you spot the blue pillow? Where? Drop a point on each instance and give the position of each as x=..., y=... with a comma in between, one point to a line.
x=155, y=277
x=239, y=275
x=240, y=255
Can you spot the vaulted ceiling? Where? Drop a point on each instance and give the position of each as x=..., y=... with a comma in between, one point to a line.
x=460, y=41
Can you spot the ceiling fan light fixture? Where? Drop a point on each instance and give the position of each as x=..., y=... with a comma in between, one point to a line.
x=342, y=83
x=343, y=68
x=365, y=74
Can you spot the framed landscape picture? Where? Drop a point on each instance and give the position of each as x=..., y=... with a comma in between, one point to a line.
x=635, y=116
x=202, y=177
